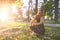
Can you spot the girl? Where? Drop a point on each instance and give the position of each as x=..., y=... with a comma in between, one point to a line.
x=37, y=25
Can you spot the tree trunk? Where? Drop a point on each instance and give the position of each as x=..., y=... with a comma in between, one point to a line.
x=36, y=5
x=56, y=11
x=29, y=10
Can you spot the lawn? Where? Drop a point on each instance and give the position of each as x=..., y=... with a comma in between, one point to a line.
x=20, y=31
x=52, y=21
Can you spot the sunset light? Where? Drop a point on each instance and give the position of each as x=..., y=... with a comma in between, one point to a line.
x=4, y=14
x=3, y=17
x=29, y=19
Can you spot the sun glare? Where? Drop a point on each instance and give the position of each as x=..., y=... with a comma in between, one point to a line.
x=3, y=17
x=4, y=14
x=14, y=9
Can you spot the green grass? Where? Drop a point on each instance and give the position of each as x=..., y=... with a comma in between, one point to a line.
x=52, y=21
x=20, y=31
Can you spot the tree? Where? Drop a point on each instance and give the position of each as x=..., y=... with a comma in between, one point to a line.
x=56, y=11
x=36, y=5
x=30, y=1
x=16, y=6
x=48, y=6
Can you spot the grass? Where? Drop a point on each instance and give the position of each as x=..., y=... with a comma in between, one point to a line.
x=20, y=31
x=52, y=21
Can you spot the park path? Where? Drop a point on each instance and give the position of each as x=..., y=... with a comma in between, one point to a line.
x=52, y=25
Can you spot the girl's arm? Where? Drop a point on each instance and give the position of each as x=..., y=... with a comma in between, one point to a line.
x=32, y=21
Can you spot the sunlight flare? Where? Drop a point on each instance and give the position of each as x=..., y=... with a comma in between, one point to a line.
x=4, y=14
x=3, y=17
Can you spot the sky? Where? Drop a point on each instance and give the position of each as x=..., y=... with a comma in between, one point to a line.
x=25, y=6
x=26, y=3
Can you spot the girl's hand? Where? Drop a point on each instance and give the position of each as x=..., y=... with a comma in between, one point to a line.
x=33, y=24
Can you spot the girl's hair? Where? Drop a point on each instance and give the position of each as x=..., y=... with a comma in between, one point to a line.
x=40, y=9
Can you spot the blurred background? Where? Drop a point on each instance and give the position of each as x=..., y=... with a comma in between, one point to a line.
x=23, y=10
x=15, y=16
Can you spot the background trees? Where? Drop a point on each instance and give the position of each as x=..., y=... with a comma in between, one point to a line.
x=56, y=11
x=51, y=7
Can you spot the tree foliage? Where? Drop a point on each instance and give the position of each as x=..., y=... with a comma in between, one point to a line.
x=18, y=4
x=48, y=6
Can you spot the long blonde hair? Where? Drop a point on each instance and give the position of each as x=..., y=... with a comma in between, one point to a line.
x=40, y=9
x=39, y=14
